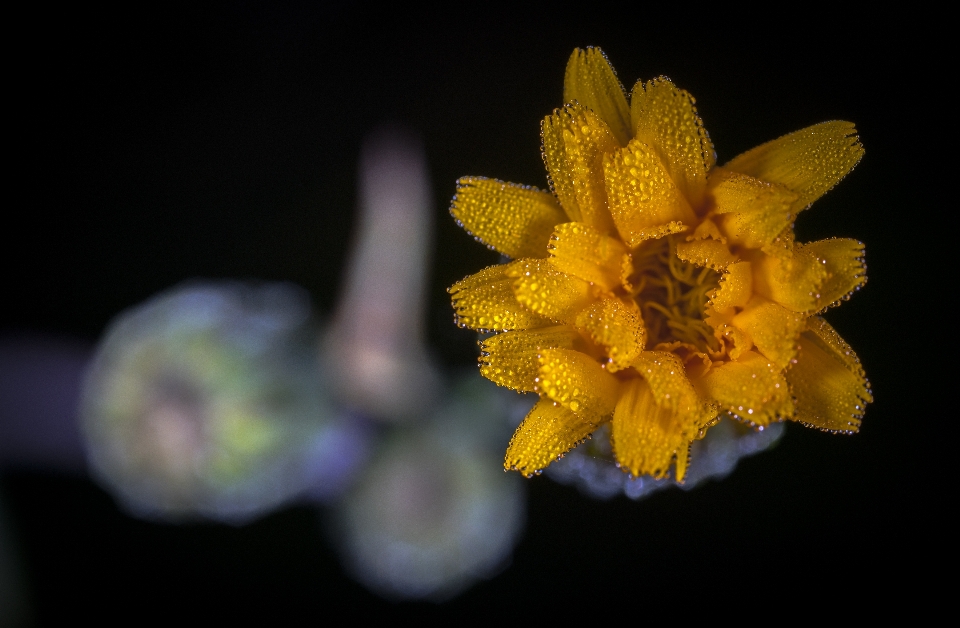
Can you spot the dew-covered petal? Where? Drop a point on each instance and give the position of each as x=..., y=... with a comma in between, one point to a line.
x=671, y=388
x=773, y=329
x=577, y=382
x=707, y=229
x=548, y=432
x=617, y=327
x=542, y=288
x=513, y=219
x=664, y=117
x=580, y=250
x=783, y=244
x=752, y=212
x=752, y=388
x=666, y=376
x=647, y=436
x=736, y=287
x=511, y=359
x=485, y=301
x=591, y=81
x=737, y=340
x=627, y=270
x=554, y=153
x=574, y=142
x=829, y=385
x=846, y=271
x=707, y=252
x=793, y=282
x=644, y=200
x=809, y=161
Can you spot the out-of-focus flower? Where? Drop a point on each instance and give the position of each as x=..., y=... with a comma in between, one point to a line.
x=374, y=351
x=433, y=514
x=430, y=514
x=655, y=290
x=205, y=402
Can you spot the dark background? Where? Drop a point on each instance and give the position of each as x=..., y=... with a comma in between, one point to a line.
x=161, y=145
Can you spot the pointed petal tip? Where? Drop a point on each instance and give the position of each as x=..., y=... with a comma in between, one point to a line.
x=591, y=81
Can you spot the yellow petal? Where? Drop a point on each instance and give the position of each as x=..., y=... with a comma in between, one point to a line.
x=580, y=250
x=513, y=219
x=754, y=212
x=809, y=161
x=682, y=463
x=543, y=289
x=751, y=388
x=671, y=388
x=616, y=326
x=842, y=258
x=548, y=432
x=574, y=142
x=554, y=153
x=627, y=270
x=485, y=301
x=707, y=229
x=773, y=329
x=511, y=359
x=591, y=81
x=664, y=117
x=827, y=381
x=709, y=252
x=578, y=383
x=782, y=245
x=792, y=282
x=736, y=287
x=646, y=436
x=644, y=201
x=738, y=341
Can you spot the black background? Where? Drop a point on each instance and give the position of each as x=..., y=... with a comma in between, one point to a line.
x=161, y=145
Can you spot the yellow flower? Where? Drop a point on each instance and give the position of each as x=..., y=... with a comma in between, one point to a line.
x=655, y=289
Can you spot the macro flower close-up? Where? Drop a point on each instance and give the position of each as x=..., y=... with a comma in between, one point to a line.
x=324, y=309
x=657, y=291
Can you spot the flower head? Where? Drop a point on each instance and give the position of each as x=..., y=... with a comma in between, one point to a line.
x=204, y=402
x=655, y=290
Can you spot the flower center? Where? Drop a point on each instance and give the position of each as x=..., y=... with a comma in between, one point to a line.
x=672, y=295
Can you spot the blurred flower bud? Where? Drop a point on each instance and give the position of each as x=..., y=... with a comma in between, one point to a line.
x=205, y=401
x=374, y=352
x=434, y=513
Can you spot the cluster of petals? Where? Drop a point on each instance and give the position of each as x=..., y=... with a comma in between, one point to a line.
x=655, y=290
